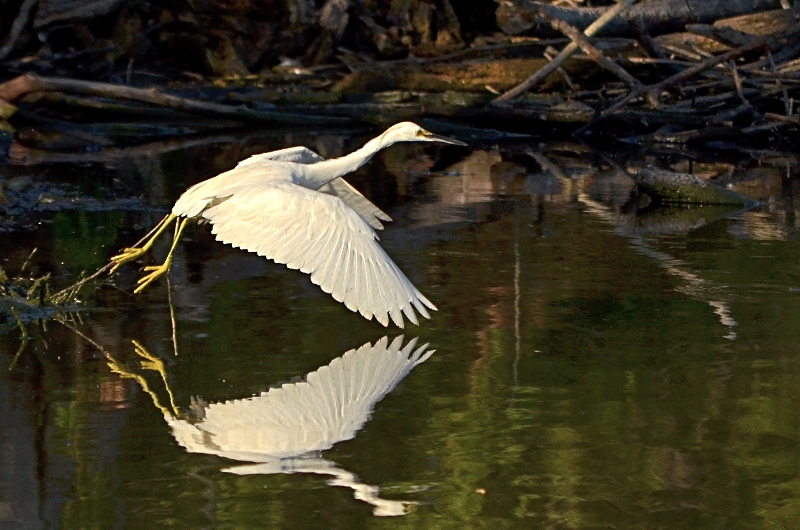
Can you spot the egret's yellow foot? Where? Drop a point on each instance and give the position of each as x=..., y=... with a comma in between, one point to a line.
x=128, y=254
x=151, y=362
x=156, y=272
x=132, y=253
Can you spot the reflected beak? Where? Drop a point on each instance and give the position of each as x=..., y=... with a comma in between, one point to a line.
x=430, y=137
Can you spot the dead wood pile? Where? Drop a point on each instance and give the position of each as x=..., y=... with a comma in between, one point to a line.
x=665, y=71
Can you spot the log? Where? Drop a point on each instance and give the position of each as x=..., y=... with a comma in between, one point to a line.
x=474, y=76
x=29, y=83
x=658, y=16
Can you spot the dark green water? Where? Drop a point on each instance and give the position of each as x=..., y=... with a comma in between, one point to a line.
x=592, y=369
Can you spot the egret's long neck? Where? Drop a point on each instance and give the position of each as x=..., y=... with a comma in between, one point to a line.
x=319, y=174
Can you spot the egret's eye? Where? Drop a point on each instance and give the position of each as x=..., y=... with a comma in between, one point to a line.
x=421, y=132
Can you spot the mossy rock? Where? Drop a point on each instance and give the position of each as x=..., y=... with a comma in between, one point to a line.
x=669, y=187
x=6, y=110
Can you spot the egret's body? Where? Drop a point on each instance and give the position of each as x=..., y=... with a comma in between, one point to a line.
x=291, y=206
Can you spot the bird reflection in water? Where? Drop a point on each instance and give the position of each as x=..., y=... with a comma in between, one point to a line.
x=282, y=430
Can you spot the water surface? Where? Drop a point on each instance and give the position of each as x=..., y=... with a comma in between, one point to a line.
x=594, y=368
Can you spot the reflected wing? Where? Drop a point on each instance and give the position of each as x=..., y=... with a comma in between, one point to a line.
x=320, y=235
x=341, y=477
x=298, y=155
x=363, y=207
x=331, y=405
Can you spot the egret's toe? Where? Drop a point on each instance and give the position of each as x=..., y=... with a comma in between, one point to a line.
x=157, y=271
x=128, y=254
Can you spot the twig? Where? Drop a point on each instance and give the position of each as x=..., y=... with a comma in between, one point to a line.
x=677, y=65
x=563, y=73
x=25, y=337
x=27, y=262
x=596, y=55
x=16, y=28
x=683, y=52
x=781, y=117
x=779, y=85
x=568, y=50
x=66, y=294
x=645, y=40
x=738, y=82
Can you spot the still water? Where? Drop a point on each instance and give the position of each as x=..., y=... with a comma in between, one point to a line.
x=593, y=367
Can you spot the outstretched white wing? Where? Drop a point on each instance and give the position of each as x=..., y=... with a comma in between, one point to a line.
x=338, y=187
x=298, y=155
x=363, y=207
x=331, y=405
x=320, y=235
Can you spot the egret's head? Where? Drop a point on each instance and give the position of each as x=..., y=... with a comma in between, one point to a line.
x=411, y=132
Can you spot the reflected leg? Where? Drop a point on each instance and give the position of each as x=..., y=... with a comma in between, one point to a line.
x=133, y=253
x=157, y=365
x=122, y=371
x=158, y=270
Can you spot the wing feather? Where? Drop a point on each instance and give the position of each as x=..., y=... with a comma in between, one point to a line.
x=298, y=155
x=321, y=255
x=378, y=290
x=322, y=236
x=355, y=200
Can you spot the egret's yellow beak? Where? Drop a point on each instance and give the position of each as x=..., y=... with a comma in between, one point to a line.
x=430, y=137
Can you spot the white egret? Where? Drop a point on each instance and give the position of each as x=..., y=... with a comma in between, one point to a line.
x=283, y=430
x=291, y=206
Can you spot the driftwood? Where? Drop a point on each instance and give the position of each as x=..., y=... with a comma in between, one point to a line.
x=571, y=48
x=500, y=74
x=30, y=83
x=657, y=16
x=17, y=28
x=22, y=155
x=772, y=42
x=596, y=55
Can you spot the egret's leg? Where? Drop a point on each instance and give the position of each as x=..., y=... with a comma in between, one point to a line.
x=152, y=362
x=132, y=253
x=158, y=270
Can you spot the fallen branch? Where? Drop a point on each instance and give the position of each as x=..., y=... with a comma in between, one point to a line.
x=568, y=50
x=17, y=27
x=596, y=55
x=645, y=40
x=770, y=42
x=658, y=16
x=780, y=117
x=28, y=83
x=724, y=35
x=22, y=155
